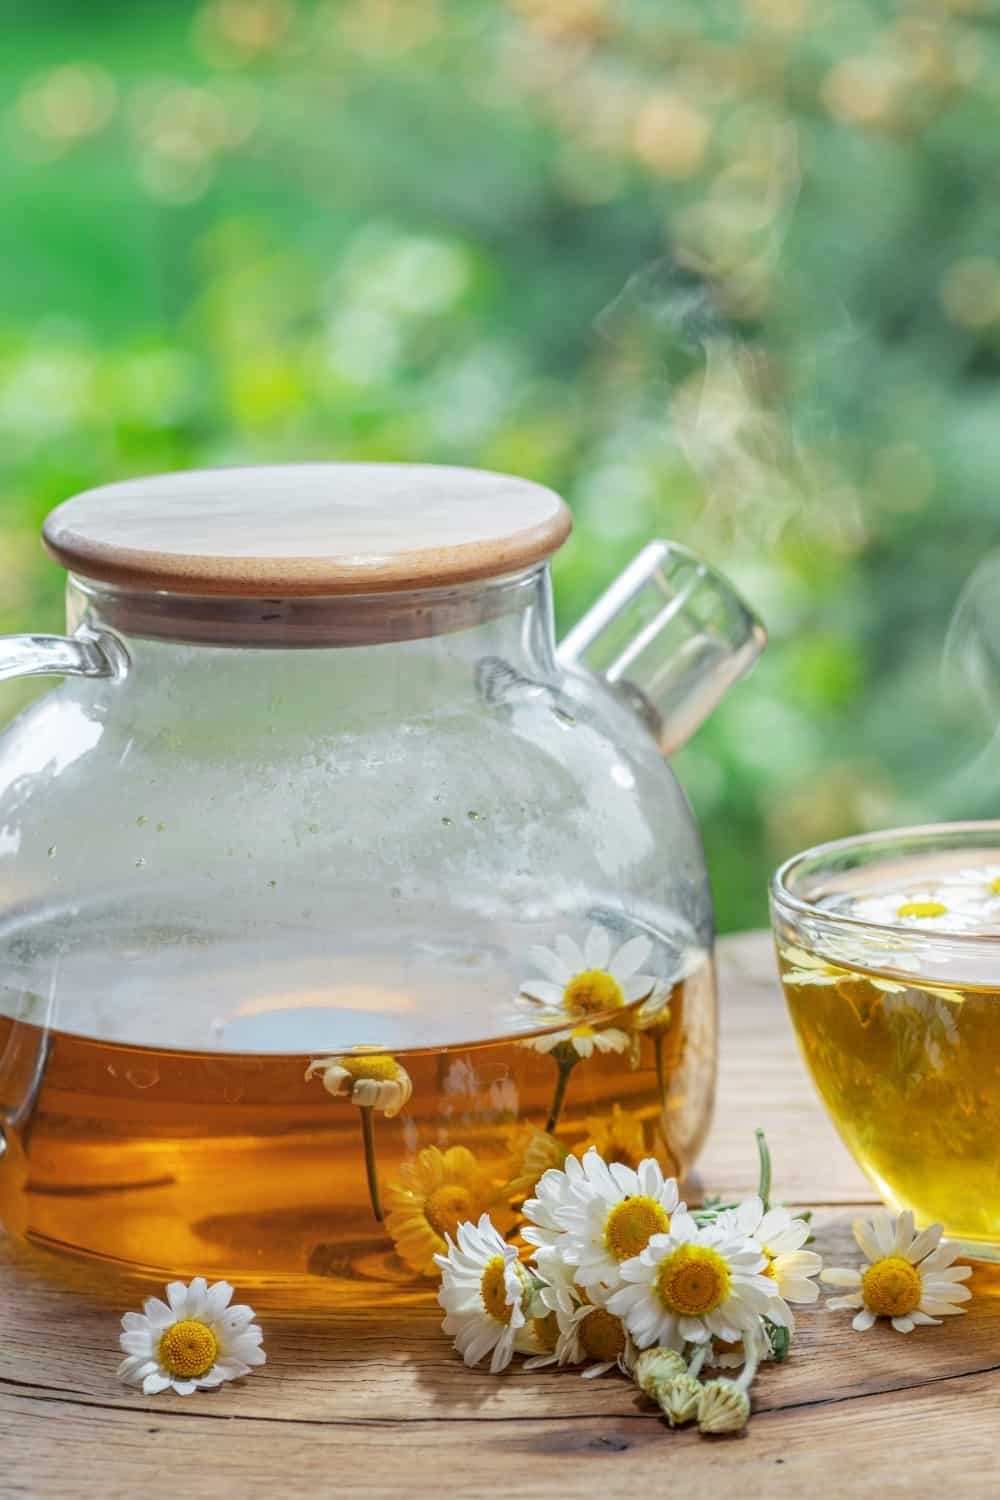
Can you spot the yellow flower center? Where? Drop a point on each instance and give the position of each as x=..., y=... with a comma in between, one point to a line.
x=891, y=1287
x=602, y=1335
x=493, y=1290
x=188, y=1349
x=995, y=885
x=448, y=1206
x=692, y=1280
x=378, y=1066
x=631, y=1225
x=547, y=1330
x=922, y=909
x=590, y=993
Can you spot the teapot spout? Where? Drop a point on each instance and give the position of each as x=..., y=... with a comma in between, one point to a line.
x=670, y=636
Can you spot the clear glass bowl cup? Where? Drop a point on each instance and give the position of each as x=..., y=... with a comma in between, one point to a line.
x=896, y=1006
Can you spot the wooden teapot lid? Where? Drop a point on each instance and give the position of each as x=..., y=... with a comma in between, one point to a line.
x=304, y=530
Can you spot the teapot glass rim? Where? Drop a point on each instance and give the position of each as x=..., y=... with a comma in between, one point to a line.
x=301, y=622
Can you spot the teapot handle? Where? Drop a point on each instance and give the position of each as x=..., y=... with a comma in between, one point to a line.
x=89, y=653
x=670, y=636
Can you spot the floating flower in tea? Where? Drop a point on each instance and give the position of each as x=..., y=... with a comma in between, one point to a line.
x=435, y=1193
x=580, y=984
x=371, y=1080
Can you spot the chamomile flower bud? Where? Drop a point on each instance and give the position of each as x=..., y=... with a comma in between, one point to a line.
x=679, y=1399
x=655, y=1367
x=723, y=1406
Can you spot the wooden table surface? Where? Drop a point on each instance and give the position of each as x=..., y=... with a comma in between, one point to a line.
x=390, y=1411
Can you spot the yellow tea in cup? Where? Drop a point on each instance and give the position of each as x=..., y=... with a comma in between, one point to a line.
x=889, y=953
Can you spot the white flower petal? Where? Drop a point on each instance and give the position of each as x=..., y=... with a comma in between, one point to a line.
x=630, y=958
x=218, y=1298
x=597, y=948
x=544, y=991
x=137, y=1341
x=571, y=955
x=863, y=1320
x=840, y=1276
x=177, y=1294
x=868, y=1242
x=552, y=965
x=159, y=1313
x=926, y=1241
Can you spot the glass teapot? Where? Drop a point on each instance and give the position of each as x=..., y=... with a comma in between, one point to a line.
x=338, y=902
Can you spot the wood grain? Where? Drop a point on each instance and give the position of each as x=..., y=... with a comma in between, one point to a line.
x=389, y=1409
x=300, y=530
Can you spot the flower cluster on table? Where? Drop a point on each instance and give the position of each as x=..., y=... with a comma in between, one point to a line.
x=622, y=1275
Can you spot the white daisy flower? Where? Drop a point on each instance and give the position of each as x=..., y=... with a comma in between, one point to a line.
x=557, y=1288
x=979, y=884
x=780, y=1237
x=910, y=1278
x=809, y=969
x=486, y=1294
x=193, y=1341
x=931, y=909
x=580, y=983
x=694, y=1284
x=584, y=1040
x=602, y=1215
x=551, y=1195
x=586, y=1332
x=370, y=1079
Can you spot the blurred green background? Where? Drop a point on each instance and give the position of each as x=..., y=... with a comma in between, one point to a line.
x=726, y=272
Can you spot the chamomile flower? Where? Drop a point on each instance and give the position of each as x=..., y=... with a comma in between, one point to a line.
x=583, y=1040
x=552, y=1191
x=604, y=1215
x=910, y=1278
x=982, y=884
x=618, y=1136
x=587, y=1335
x=532, y=1153
x=486, y=1295
x=580, y=983
x=808, y=969
x=781, y=1238
x=931, y=909
x=370, y=1079
x=193, y=1341
x=694, y=1284
x=434, y=1193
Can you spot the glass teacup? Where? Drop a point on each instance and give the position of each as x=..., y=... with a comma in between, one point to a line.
x=889, y=951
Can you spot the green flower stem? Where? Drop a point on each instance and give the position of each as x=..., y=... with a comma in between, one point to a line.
x=567, y=1059
x=764, y=1185
x=368, y=1136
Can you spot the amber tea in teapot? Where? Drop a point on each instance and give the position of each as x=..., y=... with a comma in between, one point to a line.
x=336, y=901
